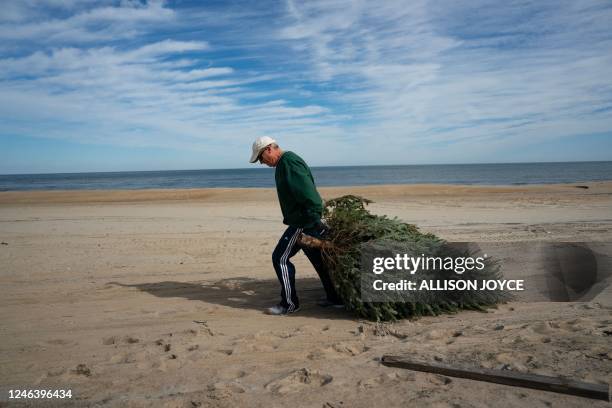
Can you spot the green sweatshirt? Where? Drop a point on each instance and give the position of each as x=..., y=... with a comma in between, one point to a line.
x=300, y=202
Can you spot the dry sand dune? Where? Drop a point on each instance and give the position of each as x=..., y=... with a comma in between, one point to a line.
x=155, y=298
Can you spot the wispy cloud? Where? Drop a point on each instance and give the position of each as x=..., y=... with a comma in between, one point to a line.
x=431, y=83
x=98, y=22
x=485, y=74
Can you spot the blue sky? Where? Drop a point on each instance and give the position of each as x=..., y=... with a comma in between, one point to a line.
x=131, y=85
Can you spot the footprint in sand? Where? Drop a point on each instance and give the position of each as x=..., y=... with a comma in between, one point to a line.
x=262, y=337
x=437, y=334
x=385, y=379
x=285, y=334
x=82, y=369
x=299, y=380
x=200, y=331
x=263, y=348
x=581, y=324
x=513, y=361
x=61, y=342
x=544, y=327
x=250, y=346
x=170, y=364
x=318, y=355
x=148, y=365
x=56, y=372
x=258, y=342
x=309, y=330
x=162, y=345
x=127, y=357
x=164, y=350
x=338, y=350
x=232, y=374
x=223, y=390
x=121, y=358
x=539, y=332
x=437, y=379
x=108, y=341
x=352, y=349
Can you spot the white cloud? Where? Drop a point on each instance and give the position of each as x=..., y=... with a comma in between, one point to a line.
x=459, y=80
x=137, y=97
x=129, y=19
x=517, y=72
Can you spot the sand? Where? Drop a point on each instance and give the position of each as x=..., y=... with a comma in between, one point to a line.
x=156, y=298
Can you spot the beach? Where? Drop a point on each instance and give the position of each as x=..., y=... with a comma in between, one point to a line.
x=156, y=298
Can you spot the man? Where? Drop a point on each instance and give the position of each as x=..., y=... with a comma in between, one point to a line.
x=302, y=208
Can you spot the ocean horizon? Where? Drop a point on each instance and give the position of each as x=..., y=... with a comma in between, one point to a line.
x=331, y=176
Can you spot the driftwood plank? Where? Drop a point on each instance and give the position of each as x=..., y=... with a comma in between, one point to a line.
x=538, y=382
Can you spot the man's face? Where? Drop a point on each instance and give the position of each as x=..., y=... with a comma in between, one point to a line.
x=267, y=157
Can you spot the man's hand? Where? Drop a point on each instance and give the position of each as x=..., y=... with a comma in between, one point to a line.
x=319, y=230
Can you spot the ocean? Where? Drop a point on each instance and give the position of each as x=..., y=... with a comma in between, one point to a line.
x=474, y=174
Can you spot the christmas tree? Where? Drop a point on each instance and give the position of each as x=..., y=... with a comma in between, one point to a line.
x=353, y=230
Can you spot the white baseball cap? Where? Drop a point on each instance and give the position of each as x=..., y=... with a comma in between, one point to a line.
x=258, y=146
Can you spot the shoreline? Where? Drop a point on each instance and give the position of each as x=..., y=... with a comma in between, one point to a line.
x=215, y=194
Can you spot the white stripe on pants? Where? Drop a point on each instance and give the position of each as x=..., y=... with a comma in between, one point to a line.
x=285, y=269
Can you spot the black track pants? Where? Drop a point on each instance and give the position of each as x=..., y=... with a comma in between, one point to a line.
x=286, y=248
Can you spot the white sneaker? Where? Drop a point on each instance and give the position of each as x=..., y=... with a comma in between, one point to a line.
x=279, y=310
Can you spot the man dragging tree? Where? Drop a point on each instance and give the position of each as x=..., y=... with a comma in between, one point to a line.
x=302, y=209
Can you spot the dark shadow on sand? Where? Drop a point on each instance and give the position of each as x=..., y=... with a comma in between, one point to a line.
x=245, y=293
